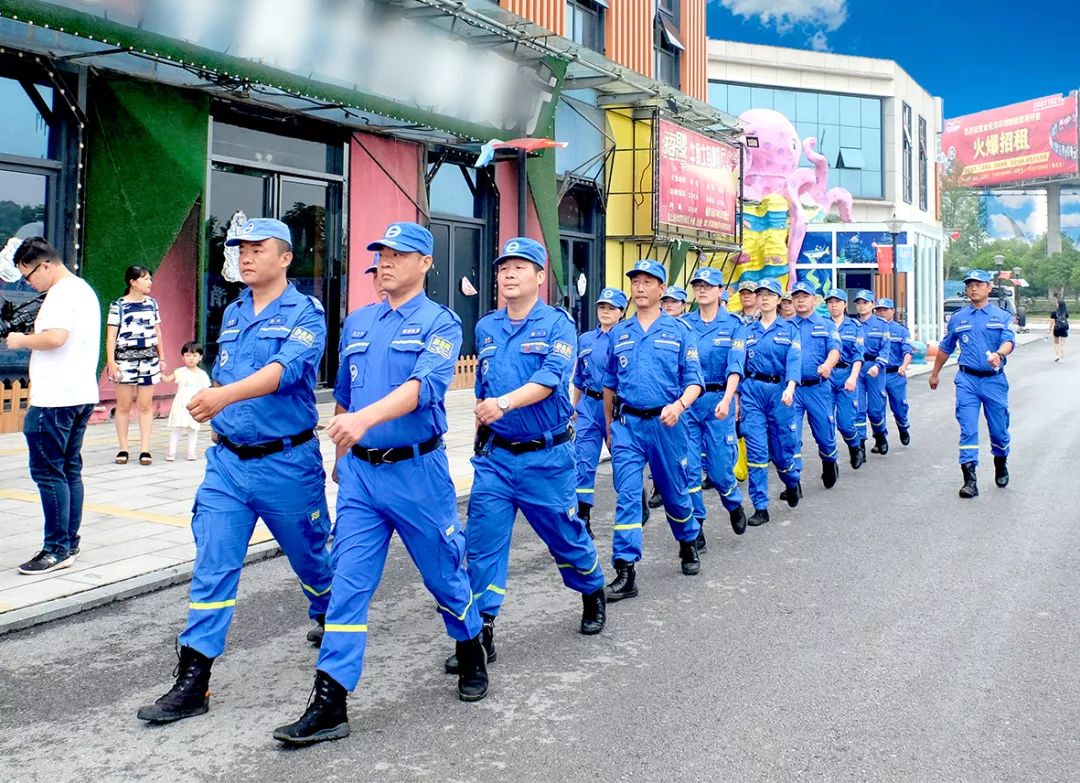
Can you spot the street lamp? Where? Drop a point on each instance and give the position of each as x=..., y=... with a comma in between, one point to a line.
x=894, y=225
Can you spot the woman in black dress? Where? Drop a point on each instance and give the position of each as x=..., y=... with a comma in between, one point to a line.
x=1059, y=328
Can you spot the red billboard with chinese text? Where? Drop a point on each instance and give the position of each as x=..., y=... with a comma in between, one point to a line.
x=1031, y=140
x=698, y=181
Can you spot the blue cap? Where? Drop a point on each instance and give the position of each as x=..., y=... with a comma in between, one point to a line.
x=649, y=267
x=866, y=296
x=524, y=248
x=374, y=265
x=837, y=293
x=406, y=237
x=725, y=296
x=885, y=304
x=707, y=275
x=980, y=275
x=747, y=285
x=676, y=292
x=613, y=297
x=769, y=284
x=805, y=287
x=258, y=229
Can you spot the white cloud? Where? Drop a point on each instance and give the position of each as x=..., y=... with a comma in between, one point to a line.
x=819, y=42
x=786, y=14
x=1070, y=220
x=1029, y=212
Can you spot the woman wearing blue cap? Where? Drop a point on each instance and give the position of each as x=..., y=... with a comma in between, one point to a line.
x=871, y=387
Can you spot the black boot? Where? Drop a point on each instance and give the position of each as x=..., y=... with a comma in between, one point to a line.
x=624, y=585
x=759, y=517
x=701, y=543
x=584, y=512
x=472, y=684
x=881, y=444
x=644, y=508
x=706, y=482
x=655, y=501
x=905, y=436
x=1001, y=471
x=792, y=494
x=593, y=612
x=971, y=486
x=858, y=456
x=785, y=490
x=738, y=520
x=487, y=638
x=189, y=695
x=830, y=471
x=325, y=718
x=691, y=564
x=316, y=632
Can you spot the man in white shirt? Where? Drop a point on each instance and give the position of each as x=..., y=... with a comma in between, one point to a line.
x=63, y=391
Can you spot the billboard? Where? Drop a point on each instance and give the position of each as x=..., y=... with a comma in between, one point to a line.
x=1030, y=140
x=697, y=181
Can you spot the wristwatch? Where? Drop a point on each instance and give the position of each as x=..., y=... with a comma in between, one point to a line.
x=504, y=403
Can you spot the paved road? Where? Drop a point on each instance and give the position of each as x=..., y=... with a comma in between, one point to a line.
x=884, y=630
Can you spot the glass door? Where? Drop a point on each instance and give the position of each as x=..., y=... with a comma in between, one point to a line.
x=454, y=279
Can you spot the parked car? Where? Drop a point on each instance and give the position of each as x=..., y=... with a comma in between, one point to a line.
x=1003, y=296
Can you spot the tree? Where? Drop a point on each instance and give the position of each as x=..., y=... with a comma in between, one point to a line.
x=963, y=211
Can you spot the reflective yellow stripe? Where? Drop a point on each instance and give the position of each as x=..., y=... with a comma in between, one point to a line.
x=695, y=489
x=596, y=562
x=970, y=447
x=466, y=610
x=728, y=493
x=628, y=527
x=798, y=456
x=586, y=491
x=497, y=589
x=680, y=521
x=313, y=591
x=342, y=628
x=212, y=604
x=757, y=464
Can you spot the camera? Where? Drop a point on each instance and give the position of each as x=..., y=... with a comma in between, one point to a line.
x=19, y=316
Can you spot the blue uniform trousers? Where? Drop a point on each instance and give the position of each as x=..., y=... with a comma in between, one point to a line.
x=636, y=442
x=539, y=484
x=416, y=498
x=288, y=491
x=716, y=439
x=871, y=402
x=845, y=407
x=815, y=403
x=591, y=431
x=896, y=391
x=769, y=428
x=993, y=395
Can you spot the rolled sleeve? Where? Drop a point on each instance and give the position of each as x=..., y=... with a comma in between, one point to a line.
x=435, y=364
x=302, y=350
x=1008, y=336
x=556, y=369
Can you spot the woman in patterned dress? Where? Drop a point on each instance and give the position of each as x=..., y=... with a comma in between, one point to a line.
x=136, y=358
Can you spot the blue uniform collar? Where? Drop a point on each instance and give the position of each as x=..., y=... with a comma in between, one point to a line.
x=290, y=296
x=405, y=311
x=539, y=309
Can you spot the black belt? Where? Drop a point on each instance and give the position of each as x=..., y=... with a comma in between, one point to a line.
x=891, y=370
x=258, y=450
x=715, y=387
x=869, y=357
x=641, y=413
x=811, y=382
x=595, y=395
x=536, y=444
x=978, y=373
x=757, y=376
x=398, y=454
x=841, y=366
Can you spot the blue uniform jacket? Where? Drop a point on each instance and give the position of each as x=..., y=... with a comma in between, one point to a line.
x=874, y=339
x=652, y=369
x=852, y=342
x=538, y=350
x=290, y=331
x=775, y=350
x=818, y=336
x=382, y=348
x=594, y=349
x=897, y=344
x=977, y=330
x=721, y=345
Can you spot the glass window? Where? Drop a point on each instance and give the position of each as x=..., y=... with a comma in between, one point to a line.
x=451, y=193
x=761, y=97
x=805, y=107
x=829, y=109
x=585, y=24
x=784, y=102
x=905, y=129
x=738, y=99
x=24, y=131
x=850, y=111
x=923, y=156
x=718, y=96
x=23, y=197
x=271, y=149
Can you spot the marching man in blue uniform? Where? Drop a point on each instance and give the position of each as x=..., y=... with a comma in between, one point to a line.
x=594, y=347
x=710, y=421
x=872, y=376
x=653, y=377
x=984, y=333
x=524, y=452
x=820, y=342
x=844, y=378
x=397, y=361
x=773, y=369
x=897, y=354
x=266, y=463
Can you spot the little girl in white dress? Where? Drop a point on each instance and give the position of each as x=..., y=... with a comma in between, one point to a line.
x=190, y=379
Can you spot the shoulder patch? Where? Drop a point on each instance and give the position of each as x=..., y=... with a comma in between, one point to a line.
x=692, y=353
x=440, y=346
x=302, y=335
x=563, y=349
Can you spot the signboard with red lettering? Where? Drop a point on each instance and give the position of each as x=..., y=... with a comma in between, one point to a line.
x=698, y=181
x=1031, y=140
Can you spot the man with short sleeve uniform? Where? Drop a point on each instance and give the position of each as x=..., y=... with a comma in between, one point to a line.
x=397, y=361
x=655, y=375
x=773, y=369
x=594, y=347
x=524, y=452
x=820, y=342
x=844, y=378
x=266, y=463
x=897, y=354
x=871, y=387
x=984, y=333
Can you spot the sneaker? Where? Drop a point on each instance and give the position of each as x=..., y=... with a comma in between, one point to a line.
x=170, y=458
x=43, y=562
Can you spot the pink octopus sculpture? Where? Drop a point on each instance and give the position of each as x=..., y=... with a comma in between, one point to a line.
x=773, y=167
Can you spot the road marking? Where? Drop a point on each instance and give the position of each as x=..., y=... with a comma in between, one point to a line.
x=99, y=508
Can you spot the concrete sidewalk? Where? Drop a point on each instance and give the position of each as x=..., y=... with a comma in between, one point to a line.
x=136, y=532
